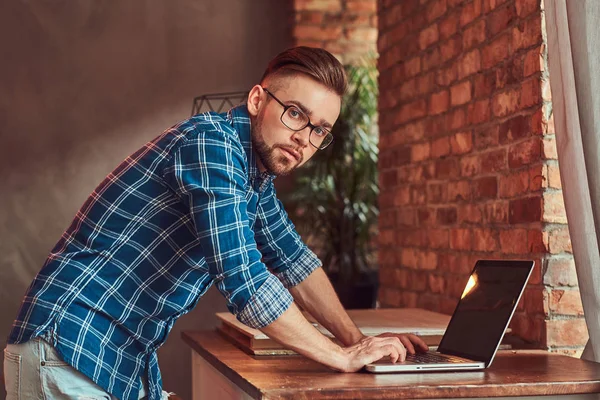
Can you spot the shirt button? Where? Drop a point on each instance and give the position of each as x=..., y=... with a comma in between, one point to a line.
x=43, y=363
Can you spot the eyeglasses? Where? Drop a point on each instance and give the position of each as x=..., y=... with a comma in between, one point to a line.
x=296, y=120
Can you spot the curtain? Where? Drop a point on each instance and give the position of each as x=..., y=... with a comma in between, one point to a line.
x=573, y=30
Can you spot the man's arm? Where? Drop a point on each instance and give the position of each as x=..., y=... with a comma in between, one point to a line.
x=316, y=295
x=296, y=333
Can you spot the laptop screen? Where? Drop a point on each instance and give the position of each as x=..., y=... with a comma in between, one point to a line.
x=485, y=308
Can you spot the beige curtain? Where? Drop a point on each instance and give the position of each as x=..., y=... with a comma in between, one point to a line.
x=573, y=29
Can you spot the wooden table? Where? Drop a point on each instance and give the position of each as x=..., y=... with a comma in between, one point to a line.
x=222, y=371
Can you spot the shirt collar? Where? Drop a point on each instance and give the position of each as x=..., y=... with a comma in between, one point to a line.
x=239, y=118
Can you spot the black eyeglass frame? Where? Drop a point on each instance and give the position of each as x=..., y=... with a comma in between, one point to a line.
x=308, y=123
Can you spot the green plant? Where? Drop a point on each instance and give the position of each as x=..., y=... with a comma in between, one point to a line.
x=333, y=200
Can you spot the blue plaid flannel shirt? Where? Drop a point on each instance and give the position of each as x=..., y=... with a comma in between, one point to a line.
x=187, y=210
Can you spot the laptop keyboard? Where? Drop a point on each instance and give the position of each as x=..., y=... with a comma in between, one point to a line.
x=429, y=358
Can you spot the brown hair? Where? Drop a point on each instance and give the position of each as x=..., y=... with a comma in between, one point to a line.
x=318, y=64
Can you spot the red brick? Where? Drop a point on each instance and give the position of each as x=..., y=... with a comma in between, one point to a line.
x=438, y=102
x=426, y=216
x=485, y=188
x=474, y=35
x=431, y=59
x=487, y=137
x=526, y=7
x=525, y=153
x=446, y=216
x=566, y=302
x=461, y=142
x=554, y=208
x=317, y=32
x=449, y=25
x=469, y=64
x=361, y=34
x=559, y=241
x=561, y=272
x=410, y=111
x=514, y=184
x=320, y=5
x=460, y=93
x=538, y=177
x=438, y=239
x=412, y=67
x=535, y=301
x=361, y=6
x=436, y=9
x=479, y=111
x=426, y=83
x=460, y=239
x=534, y=61
x=537, y=241
x=528, y=327
x=406, y=217
x=554, y=180
x=389, y=178
x=506, y=102
x=450, y=48
x=401, y=196
x=389, y=297
x=470, y=11
x=531, y=93
x=418, y=195
x=490, y=5
x=546, y=90
x=470, y=166
x=459, y=191
x=528, y=33
x=485, y=240
x=495, y=52
x=440, y=147
x=436, y=284
x=493, y=161
x=309, y=17
x=420, y=152
x=513, y=241
x=445, y=76
x=500, y=19
x=437, y=193
x=469, y=214
x=485, y=84
x=456, y=119
x=571, y=332
x=386, y=237
x=406, y=134
x=496, y=212
x=514, y=129
x=549, y=148
x=428, y=36
x=446, y=168
x=510, y=72
x=525, y=210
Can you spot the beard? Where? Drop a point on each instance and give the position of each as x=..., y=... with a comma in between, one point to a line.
x=275, y=163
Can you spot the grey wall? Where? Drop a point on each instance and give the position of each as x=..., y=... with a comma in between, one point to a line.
x=85, y=83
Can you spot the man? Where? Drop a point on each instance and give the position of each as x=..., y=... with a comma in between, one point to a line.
x=193, y=207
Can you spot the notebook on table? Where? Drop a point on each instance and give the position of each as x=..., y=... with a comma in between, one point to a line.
x=478, y=323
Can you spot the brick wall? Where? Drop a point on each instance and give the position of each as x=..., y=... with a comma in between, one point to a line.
x=346, y=28
x=468, y=162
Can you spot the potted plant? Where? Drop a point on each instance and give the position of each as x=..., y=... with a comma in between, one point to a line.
x=333, y=200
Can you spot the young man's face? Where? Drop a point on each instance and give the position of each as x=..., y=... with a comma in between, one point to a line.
x=279, y=148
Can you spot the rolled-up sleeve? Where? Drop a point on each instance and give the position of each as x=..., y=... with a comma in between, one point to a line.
x=207, y=173
x=282, y=248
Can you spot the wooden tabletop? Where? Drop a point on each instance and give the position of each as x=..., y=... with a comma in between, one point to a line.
x=513, y=373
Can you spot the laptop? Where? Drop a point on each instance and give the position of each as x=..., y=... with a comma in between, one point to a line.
x=478, y=324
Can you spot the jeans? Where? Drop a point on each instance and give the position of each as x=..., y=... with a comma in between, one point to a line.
x=34, y=371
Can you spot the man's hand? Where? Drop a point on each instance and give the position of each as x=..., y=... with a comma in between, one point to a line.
x=372, y=348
